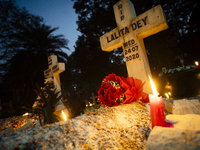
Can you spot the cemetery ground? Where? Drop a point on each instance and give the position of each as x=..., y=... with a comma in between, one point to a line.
x=127, y=126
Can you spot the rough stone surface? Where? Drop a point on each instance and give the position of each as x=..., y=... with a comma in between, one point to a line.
x=184, y=136
x=122, y=127
x=173, y=139
x=168, y=106
x=189, y=121
x=28, y=125
x=8, y=130
x=182, y=107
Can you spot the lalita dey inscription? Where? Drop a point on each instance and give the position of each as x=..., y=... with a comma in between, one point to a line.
x=131, y=46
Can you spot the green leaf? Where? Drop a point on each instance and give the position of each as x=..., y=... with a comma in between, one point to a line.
x=45, y=113
x=54, y=102
x=55, y=118
x=41, y=93
x=30, y=109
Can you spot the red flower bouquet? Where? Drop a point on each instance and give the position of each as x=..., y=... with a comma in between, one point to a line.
x=116, y=90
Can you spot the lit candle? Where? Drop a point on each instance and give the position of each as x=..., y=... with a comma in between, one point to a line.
x=64, y=116
x=197, y=63
x=26, y=114
x=157, y=111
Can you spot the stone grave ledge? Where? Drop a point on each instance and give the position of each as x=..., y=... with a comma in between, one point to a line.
x=23, y=128
x=182, y=106
x=184, y=136
x=185, y=116
x=122, y=127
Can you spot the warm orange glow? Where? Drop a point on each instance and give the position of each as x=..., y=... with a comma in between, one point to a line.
x=167, y=95
x=153, y=87
x=26, y=114
x=64, y=116
x=197, y=63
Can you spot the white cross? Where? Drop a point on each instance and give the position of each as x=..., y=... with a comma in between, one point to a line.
x=54, y=70
x=129, y=35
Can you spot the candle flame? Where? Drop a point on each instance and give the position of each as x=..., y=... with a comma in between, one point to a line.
x=25, y=114
x=153, y=87
x=167, y=95
x=64, y=116
x=196, y=63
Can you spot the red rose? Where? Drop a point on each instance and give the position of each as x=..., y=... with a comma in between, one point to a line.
x=111, y=77
x=109, y=94
x=117, y=90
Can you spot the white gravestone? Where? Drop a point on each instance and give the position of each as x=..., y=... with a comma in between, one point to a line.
x=54, y=70
x=129, y=35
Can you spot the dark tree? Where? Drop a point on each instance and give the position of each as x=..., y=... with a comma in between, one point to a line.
x=25, y=44
x=90, y=63
x=96, y=18
x=180, y=39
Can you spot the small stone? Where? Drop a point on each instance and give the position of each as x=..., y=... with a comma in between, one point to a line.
x=8, y=130
x=184, y=136
x=168, y=106
x=173, y=139
x=187, y=67
x=170, y=70
x=28, y=125
x=37, y=124
x=189, y=121
x=182, y=107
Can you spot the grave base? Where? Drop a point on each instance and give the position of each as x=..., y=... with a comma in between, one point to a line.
x=184, y=136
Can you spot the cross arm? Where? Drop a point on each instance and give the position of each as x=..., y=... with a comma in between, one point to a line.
x=111, y=40
x=155, y=22
x=58, y=68
x=47, y=73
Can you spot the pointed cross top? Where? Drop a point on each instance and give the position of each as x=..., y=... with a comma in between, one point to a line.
x=54, y=70
x=124, y=13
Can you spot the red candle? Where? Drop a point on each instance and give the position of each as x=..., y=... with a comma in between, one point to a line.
x=197, y=63
x=157, y=111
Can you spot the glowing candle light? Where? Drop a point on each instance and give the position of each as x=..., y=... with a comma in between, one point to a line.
x=197, y=63
x=26, y=114
x=167, y=96
x=64, y=116
x=157, y=111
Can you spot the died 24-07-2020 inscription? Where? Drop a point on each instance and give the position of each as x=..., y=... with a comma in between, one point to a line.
x=131, y=50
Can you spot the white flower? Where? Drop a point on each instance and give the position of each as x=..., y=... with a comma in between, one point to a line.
x=35, y=104
x=48, y=80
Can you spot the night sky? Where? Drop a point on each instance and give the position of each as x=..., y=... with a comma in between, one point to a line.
x=57, y=13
